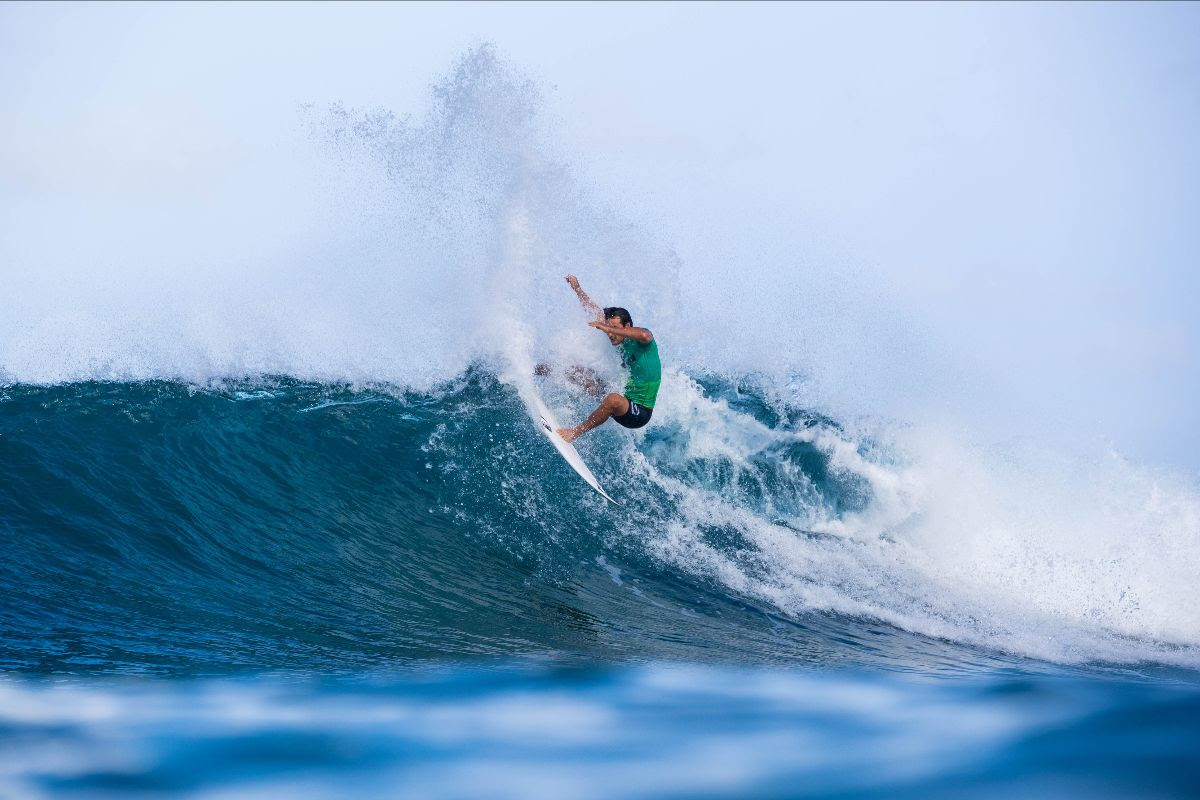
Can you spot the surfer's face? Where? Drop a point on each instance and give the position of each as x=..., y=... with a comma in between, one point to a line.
x=616, y=323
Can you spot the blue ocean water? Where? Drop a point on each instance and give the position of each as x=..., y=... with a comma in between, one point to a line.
x=285, y=588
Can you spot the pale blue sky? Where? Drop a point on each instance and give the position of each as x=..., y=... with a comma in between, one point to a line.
x=1015, y=184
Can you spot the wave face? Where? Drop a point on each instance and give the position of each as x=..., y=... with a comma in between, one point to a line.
x=163, y=527
x=155, y=526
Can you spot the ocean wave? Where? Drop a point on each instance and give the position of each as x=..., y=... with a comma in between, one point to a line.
x=162, y=526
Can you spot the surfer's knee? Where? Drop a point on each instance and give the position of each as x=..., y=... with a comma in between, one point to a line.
x=615, y=402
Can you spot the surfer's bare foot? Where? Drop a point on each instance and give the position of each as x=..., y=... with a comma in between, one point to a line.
x=568, y=434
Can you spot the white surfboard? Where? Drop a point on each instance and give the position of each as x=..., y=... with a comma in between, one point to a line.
x=545, y=422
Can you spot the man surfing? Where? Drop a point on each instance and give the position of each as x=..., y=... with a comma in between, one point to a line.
x=639, y=354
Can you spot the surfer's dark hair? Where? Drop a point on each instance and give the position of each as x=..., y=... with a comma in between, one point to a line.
x=619, y=313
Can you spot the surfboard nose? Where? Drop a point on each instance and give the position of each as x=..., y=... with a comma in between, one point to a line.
x=564, y=448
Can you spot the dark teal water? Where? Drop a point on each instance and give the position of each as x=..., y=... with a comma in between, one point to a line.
x=285, y=589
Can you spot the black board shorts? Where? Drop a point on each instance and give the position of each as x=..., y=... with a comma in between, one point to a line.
x=635, y=417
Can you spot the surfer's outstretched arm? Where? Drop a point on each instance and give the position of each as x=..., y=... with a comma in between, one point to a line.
x=588, y=306
x=623, y=332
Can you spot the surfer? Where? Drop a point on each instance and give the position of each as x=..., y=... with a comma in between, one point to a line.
x=639, y=354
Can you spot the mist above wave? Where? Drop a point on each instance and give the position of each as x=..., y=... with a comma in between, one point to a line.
x=371, y=247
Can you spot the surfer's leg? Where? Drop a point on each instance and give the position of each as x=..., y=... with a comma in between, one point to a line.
x=580, y=376
x=588, y=379
x=614, y=405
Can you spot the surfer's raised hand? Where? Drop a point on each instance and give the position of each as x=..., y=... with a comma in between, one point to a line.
x=588, y=305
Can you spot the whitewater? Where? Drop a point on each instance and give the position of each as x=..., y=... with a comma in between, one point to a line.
x=291, y=469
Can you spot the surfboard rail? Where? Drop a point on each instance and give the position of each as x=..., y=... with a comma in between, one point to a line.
x=547, y=425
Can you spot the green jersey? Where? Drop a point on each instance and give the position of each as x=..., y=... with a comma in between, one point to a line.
x=645, y=371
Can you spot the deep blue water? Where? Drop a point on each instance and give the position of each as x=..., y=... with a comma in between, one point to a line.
x=275, y=588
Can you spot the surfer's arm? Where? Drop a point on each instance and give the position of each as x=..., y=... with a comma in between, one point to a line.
x=642, y=335
x=588, y=306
